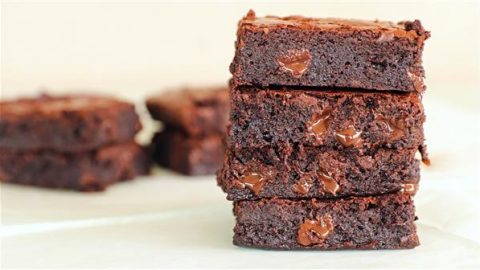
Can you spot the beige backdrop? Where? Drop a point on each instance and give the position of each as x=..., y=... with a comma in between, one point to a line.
x=133, y=49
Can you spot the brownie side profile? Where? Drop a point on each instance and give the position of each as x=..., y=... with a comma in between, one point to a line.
x=66, y=124
x=84, y=171
x=299, y=51
x=362, y=121
x=188, y=155
x=197, y=112
x=317, y=173
x=381, y=222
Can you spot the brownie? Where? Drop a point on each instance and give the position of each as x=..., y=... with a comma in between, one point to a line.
x=299, y=51
x=188, y=155
x=363, y=121
x=381, y=222
x=66, y=123
x=195, y=111
x=317, y=173
x=92, y=170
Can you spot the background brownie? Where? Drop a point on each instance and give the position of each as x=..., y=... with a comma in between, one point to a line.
x=67, y=124
x=86, y=171
x=339, y=120
x=382, y=222
x=317, y=173
x=196, y=111
x=188, y=155
x=299, y=51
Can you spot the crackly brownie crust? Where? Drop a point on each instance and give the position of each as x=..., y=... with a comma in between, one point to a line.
x=188, y=155
x=317, y=173
x=84, y=171
x=381, y=222
x=299, y=51
x=363, y=121
x=197, y=112
x=66, y=123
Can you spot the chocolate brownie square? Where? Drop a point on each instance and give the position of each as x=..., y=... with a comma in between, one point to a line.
x=197, y=112
x=381, y=222
x=316, y=172
x=188, y=155
x=66, y=123
x=339, y=120
x=91, y=170
x=300, y=51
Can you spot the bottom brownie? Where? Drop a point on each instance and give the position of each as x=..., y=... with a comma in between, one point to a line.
x=188, y=155
x=381, y=222
x=84, y=171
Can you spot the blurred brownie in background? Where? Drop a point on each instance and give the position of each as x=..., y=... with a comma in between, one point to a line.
x=197, y=112
x=83, y=143
x=194, y=125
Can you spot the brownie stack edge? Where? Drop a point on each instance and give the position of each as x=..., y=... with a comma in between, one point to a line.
x=325, y=125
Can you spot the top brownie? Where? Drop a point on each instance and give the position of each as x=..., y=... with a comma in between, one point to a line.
x=66, y=123
x=299, y=51
x=197, y=112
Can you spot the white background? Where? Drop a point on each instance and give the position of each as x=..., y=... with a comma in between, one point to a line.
x=133, y=49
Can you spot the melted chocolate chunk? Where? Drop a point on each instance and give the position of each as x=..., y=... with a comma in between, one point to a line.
x=252, y=181
x=313, y=232
x=349, y=136
x=319, y=123
x=303, y=185
x=296, y=62
x=395, y=127
x=409, y=188
x=329, y=184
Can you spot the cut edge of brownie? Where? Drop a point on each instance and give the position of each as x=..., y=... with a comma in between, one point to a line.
x=66, y=123
x=260, y=117
x=93, y=170
x=177, y=151
x=198, y=112
x=251, y=174
x=381, y=222
x=298, y=51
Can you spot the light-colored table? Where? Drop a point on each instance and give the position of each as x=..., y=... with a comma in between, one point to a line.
x=168, y=220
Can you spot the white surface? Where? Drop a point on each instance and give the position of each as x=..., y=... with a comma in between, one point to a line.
x=168, y=220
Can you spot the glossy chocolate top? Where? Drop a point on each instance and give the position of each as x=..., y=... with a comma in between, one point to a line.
x=388, y=30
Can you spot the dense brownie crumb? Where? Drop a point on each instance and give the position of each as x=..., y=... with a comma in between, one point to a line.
x=317, y=173
x=188, y=155
x=363, y=121
x=84, y=171
x=299, y=51
x=198, y=112
x=66, y=124
x=381, y=222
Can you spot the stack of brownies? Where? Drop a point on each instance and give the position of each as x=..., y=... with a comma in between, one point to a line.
x=194, y=119
x=75, y=142
x=326, y=120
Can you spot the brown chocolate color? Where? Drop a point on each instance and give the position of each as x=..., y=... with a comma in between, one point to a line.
x=299, y=51
x=381, y=222
x=316, y=173
x=66, y=123
x=198, y=112
x=362, y=121
x=188, y=155
x=84, y=171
